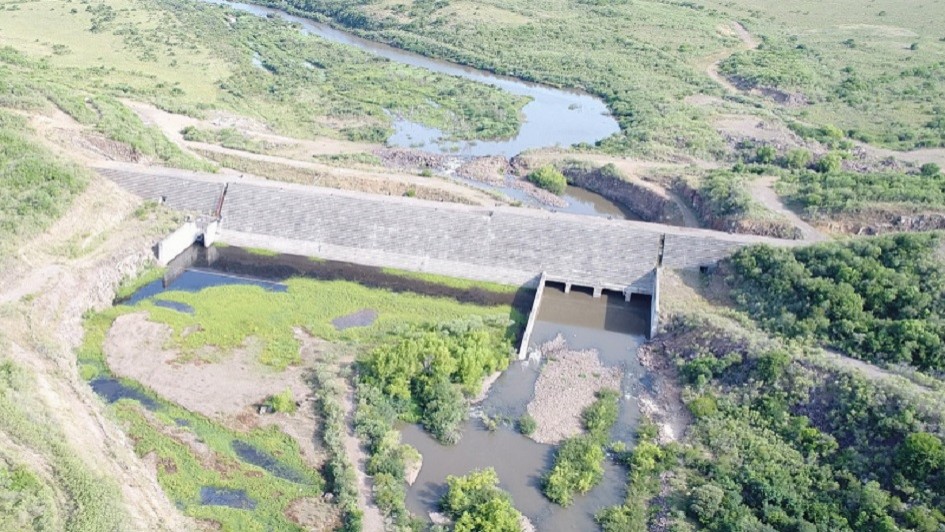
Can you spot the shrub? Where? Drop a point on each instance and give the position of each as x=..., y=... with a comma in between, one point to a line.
x=765, y=154
x=282, y=402
x=601, y=415
x=797, y=159
x=549, y=178
x=920, y=455
x=930, y=170
x=527, y=425
x=475, y=503
x=704, y=406
x=578, y=468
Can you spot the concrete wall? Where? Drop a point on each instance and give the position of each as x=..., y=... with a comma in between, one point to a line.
x=655, y=303
x=177, y=242
x=532, y=316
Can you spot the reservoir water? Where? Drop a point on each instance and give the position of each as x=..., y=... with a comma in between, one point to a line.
x=553, y=117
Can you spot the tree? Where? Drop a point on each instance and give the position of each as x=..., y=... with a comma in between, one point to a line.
x=920, y=455
x=829, y=163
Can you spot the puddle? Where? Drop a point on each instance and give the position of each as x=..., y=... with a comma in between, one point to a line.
x=195, y=280
x=174, y=305
x=361, y=318
x=260, y=458
x=211, y=496
x=583, y=201
x=112, y=390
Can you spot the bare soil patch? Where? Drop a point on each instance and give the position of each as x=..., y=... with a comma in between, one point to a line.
x=568, y=383
x=135, y=348
x=314, y=514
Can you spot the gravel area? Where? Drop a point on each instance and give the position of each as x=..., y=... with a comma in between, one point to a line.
x=568, y=383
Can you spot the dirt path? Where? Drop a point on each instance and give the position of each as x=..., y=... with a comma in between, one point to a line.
x=748, y=43
x=45, y=288
x=372, y=519
x=762, y=190
x=298, y=153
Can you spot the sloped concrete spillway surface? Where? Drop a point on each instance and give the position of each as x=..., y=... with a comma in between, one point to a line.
x=501, y=244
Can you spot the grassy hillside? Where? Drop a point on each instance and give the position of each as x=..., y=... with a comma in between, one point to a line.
x=193, y=58
x=876, y=72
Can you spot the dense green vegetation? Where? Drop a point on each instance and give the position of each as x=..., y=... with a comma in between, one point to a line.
x=878, y=299
x=339, y=471
x=549, y=178
x=475, y=503
x=579, y=460
x=836, y=190
x=35, y=187
x=792, y=443
x=25, y=501
x=428, y=371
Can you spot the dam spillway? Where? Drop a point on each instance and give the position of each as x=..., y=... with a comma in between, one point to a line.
x=502, y=244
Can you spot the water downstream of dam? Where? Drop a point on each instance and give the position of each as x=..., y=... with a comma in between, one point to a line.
x=611, y=326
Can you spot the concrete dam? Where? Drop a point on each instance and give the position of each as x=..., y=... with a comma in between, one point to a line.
x=503, y=244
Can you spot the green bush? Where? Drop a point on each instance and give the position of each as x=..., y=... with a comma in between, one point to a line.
x=578, y=468
x=579, y=460
x=704, y=406
x=527, y=425
x=797, y=159
x=549, y=178
x=282, y=402
x=475, y=503
x=930, y=170
x=428, y=370
x=920, y=455
x=602, y=414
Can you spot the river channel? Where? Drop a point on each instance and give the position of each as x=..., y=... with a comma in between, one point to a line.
x=611, y=326
x=553, y=117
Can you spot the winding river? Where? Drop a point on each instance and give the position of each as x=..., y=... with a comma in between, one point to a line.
x=553, y=117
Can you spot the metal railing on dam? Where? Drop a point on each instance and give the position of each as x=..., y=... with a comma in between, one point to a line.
x=502, y=244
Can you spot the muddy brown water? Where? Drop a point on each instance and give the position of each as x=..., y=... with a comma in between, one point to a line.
x=583, y=201
x=613, y=327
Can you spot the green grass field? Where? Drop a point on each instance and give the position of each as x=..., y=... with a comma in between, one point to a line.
x=856, y=65
x=192, y=57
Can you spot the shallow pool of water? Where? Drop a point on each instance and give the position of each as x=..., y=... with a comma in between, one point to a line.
x=112, y=390
x=583, y=201
x=211, y=496
x=264, y=460
x=195, y=280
